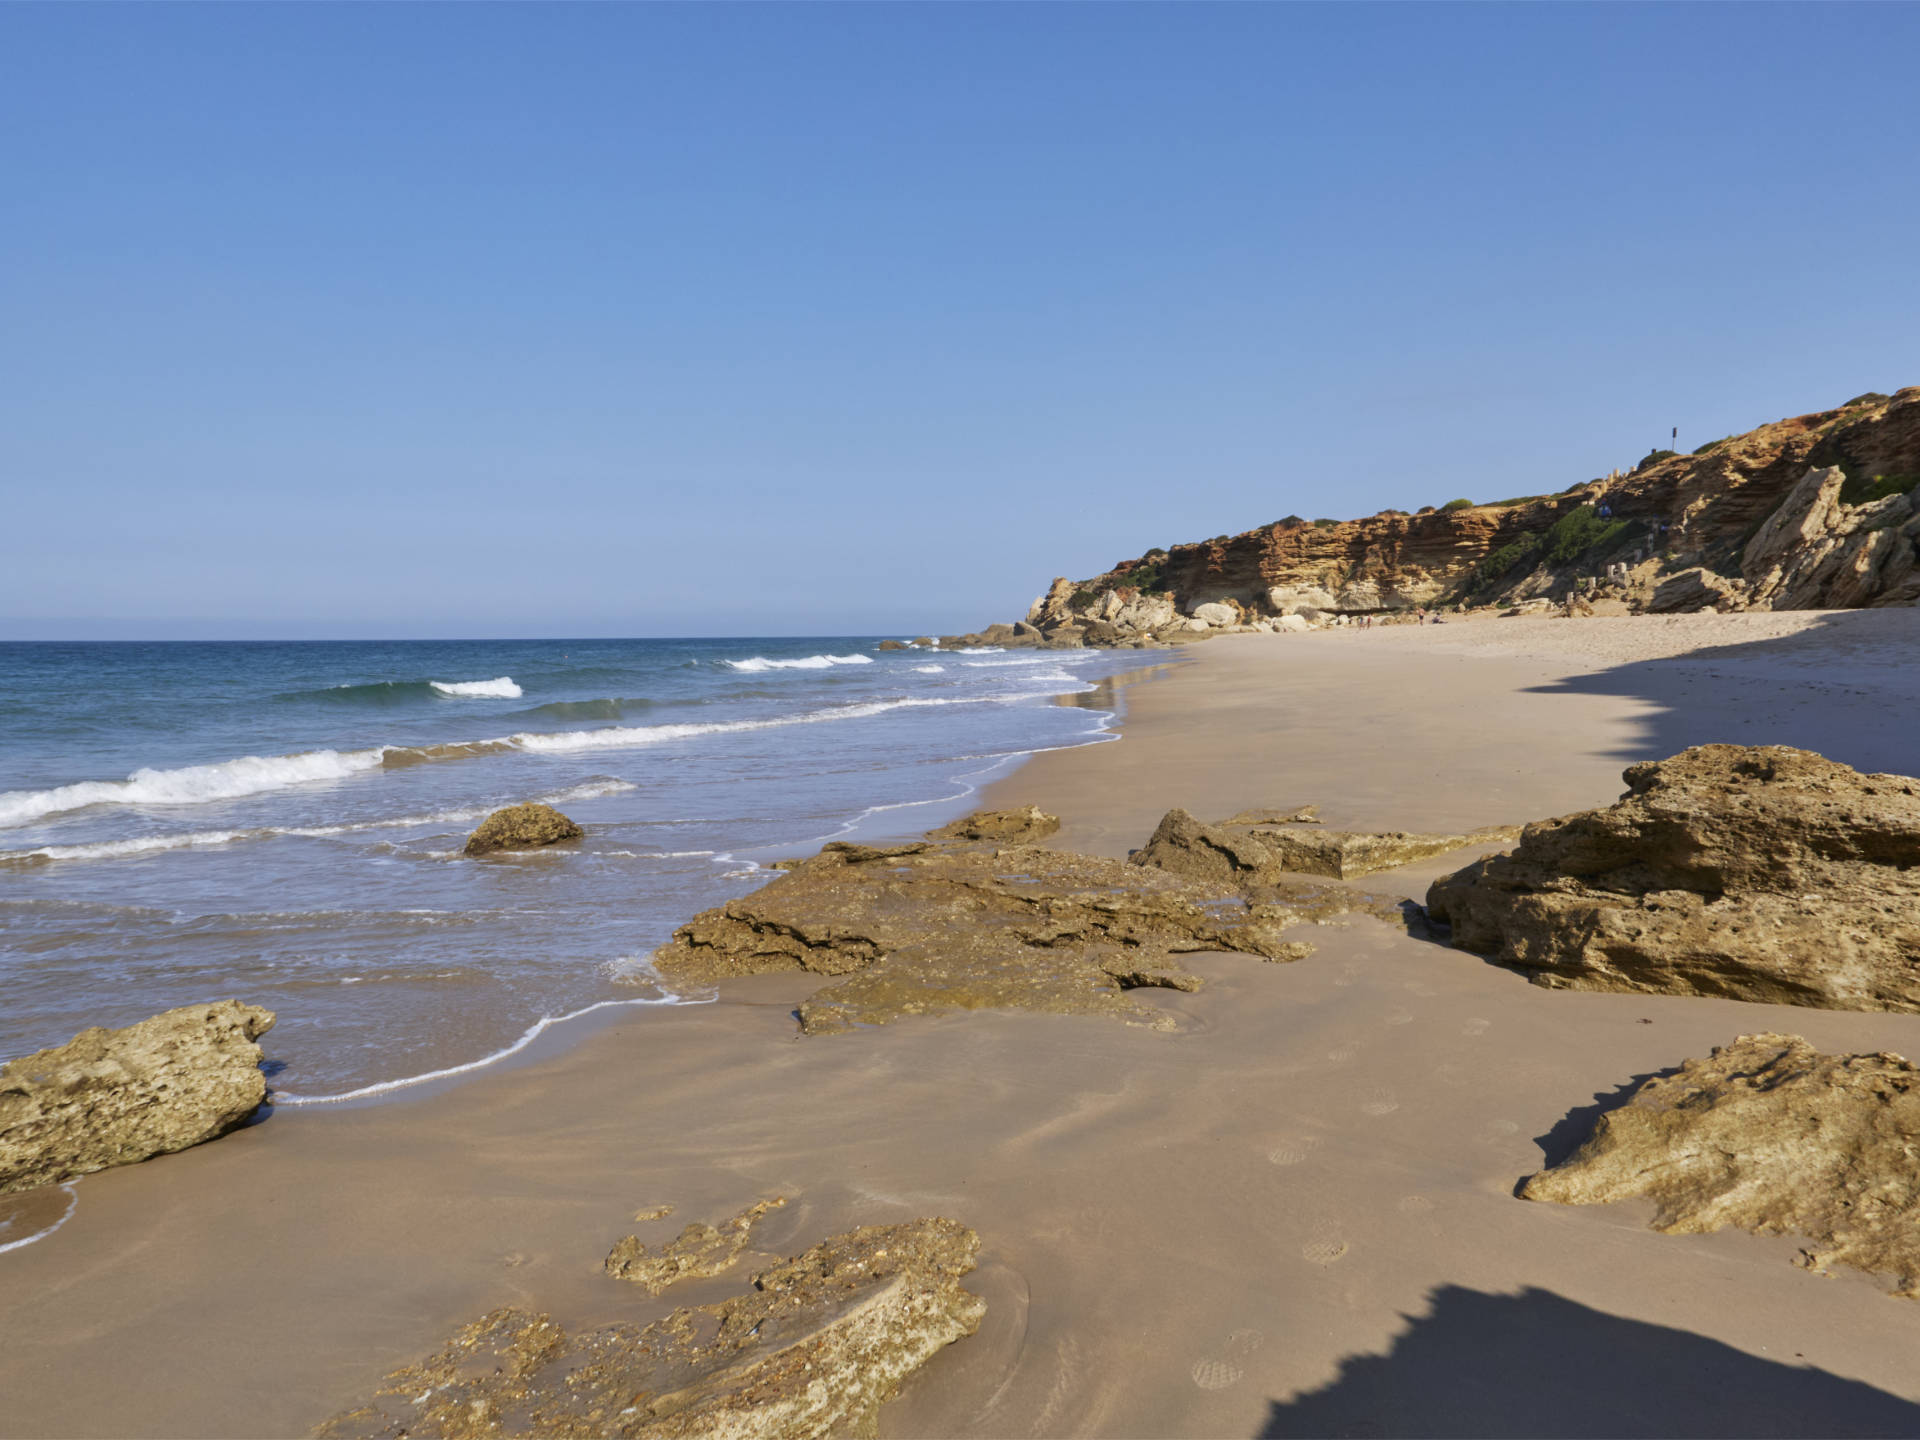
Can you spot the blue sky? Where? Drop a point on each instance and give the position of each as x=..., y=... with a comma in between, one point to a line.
x=477, y=320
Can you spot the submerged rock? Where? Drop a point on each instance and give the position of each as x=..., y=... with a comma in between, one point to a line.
x=818, y=1345
x=699, y=1251
x=1769, y=1135
x=960, y=924
x=522, y=827
x=1753, y=872
x=115, y=1097
x=1255, y=852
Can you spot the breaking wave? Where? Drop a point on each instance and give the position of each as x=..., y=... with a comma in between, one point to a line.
x=810, y=662
x=191, y=784
x=500, y=689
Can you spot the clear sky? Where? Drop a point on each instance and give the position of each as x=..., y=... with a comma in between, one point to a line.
x=486, y=320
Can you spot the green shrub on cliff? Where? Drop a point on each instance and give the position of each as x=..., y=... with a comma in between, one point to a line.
x=1325, y=524
x=1456, y=505
x=1580, y=532
x=1503, y=560
x=1864, y=489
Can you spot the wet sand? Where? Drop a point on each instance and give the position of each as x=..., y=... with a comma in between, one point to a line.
x=1293, y=1216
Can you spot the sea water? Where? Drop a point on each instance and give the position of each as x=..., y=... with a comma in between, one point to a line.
x=282, y=822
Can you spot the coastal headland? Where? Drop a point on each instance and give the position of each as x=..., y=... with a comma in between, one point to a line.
x=1290, y=1208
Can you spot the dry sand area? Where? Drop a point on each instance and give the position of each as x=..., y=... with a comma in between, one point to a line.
x=1292, y=1216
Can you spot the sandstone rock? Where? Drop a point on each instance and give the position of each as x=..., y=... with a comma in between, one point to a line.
x=819, y=1344
x=522, y=827
x=929, y=927
x=1752, y=872
x=699, y=1251
x=996, y=634
x=1296, y=815
x=1145, y=614
x=1300, y=599
x=1696, y=589
x=1023, y=827
x=891, y=645
x=115, y=1097
x=1242, y=854
x=1215, y=614
x=1769, y=1135
x=1025, y=631
x=1292, y=624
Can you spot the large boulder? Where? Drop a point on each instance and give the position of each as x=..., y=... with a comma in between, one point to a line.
x=1216, y=614
x=1753, y=872
x=1696, y=589
x=814, y=1349
x=1253, y=854
x=1769, y=1135
x=115, y=1097
x=522, y=827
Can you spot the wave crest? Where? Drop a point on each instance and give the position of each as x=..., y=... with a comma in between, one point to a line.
x=502, y=688
x=810, y=662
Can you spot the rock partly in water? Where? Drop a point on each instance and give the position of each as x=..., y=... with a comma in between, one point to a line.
x=819, y=1344
x=698, y=1252
x=925, y=928
x=1005, y=826
x=115, y=1097
x=1769, y=1135
x=1255, y=853
x=522, y=827
x=1751, y=872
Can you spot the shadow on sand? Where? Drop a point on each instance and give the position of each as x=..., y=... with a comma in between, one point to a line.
x=1538, y=1364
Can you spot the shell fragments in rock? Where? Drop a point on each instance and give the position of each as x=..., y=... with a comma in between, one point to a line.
x=115, y=1097
x=1752, y=872
x=814, y=1349
x=1772, y=1136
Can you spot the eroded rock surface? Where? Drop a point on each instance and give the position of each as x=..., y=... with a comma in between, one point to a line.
x=522, y=827
x=699, y=1251
x=1772, y=1136
x=114, y=1097
x=925, y=927
x=1753, y=872
x=1254, y=851
x=814, y=1349
x=1007, y=826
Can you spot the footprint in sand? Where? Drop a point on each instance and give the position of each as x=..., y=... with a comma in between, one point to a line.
x=1415, y=1205
x=1418, y=987
x=1323, y=1249
x=1476, y=1026
x=1380, y=1102
x=1342, y=1055
x=1399, y=1017
x=1293, y=1150
x=1216, y=1374
x=1242, y=1343
x=1346, y=978
x=1498, y=1132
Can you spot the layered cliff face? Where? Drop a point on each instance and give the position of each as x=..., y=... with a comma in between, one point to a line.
x=1816, y=511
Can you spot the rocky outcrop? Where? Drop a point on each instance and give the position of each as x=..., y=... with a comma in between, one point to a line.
x=697, y=1253
x=1752, y=872
x=928, y=927
x=1814, y=511
x=1022, y=827
x=814, y=1349
x=1769, y=1135
x=1256, y=852
x=522, y=827
x=115, y=1097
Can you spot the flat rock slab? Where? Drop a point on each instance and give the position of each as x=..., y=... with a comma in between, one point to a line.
x=1751, y=872
x=522, y=827
x=1254, y=852
x=115, y=1097
x=814, y=1349
x=697, y=1253
x=928, y=927
x=1772, y=1136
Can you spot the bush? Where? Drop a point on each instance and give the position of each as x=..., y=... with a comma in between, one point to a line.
x=1865, y=489
x=1579, y=532
x=1503, y=560
x=1517, y=500
x=1654, y=457
x=1150, y=576
x=1083, y=597
x=1456, y=505
x=1325, y=524
x=1713, y=445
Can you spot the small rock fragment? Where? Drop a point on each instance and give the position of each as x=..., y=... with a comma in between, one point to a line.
x=522, y=827
x=699, y=1251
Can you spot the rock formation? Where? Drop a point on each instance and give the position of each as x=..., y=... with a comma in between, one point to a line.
x=814, y=1349
x=698, y=1252
x=1245, y=851
x=962, y=924
x=115, y=1097
x=1020, y=827
x=1752, y=872
x=522, y=827
x=1774, y=1137
x=1814, y=511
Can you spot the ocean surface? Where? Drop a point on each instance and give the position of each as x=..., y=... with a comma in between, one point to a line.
x=282, y=823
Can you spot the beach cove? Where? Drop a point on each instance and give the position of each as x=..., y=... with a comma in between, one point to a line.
x=1292, y=1214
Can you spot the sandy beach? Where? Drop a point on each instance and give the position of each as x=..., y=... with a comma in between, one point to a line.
x=1292, y=1215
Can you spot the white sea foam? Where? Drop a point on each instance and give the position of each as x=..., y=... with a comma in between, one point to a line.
x=532, y=1033
x=810, y=662
x=981, y=650
x=191, y=784
x=73, y=1202
x=500, y=689
x=931, y=669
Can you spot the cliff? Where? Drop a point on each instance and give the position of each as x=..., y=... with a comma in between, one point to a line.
x=1812, y=512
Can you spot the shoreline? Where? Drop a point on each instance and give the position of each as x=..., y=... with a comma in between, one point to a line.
x=1320, y=1159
